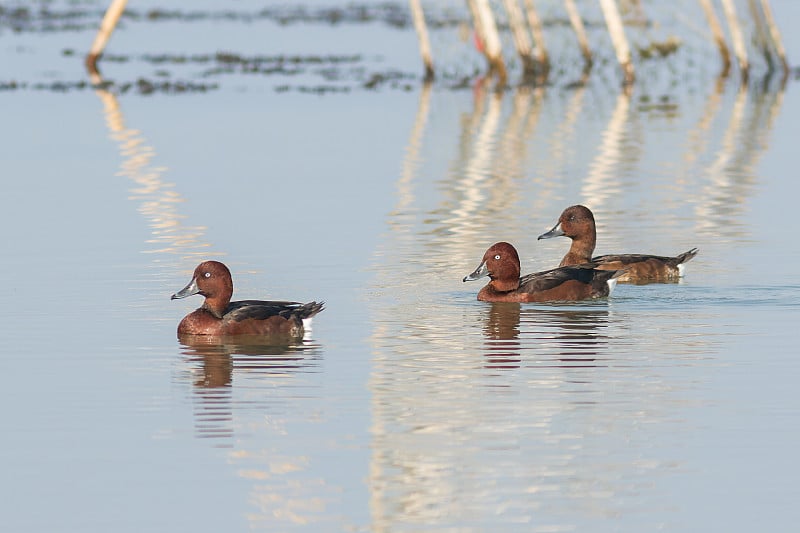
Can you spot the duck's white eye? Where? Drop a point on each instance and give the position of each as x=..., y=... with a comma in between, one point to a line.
x=207, y=274
x=497, y=257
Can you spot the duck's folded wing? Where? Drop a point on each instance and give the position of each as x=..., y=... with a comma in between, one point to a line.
x=261, y=309
x=629, y=259
x=542, y=281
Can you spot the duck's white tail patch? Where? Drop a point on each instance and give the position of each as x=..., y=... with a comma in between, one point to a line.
x=611, y=284
x=307, y=327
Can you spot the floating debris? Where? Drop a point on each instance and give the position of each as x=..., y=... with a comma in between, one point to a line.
x=660, y=49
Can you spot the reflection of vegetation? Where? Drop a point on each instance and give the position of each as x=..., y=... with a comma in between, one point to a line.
x=289, y=64
x=329, y=68
x=75, y=18
x=341, y=73
x=663, y=105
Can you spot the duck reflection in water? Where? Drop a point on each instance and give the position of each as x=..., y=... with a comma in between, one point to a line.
x=502, y=335
x=544, y=337
x=219, y=358
x=213, y=363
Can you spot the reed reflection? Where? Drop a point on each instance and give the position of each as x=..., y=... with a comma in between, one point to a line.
x=157, y=200
x=604, y=179
x=731, y=176
x=477, y=149
x=487, y=174
x=562, y=141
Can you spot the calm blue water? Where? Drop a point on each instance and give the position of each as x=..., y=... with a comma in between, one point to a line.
x=411, y=406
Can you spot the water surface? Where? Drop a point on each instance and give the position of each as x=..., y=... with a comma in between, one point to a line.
x=410, y=406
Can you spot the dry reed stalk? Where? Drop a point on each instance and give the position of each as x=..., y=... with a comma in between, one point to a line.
x=487, y=30
x=719, y=36
x=580, y=32
x=538, y=34
x=520, y=34
x=738, y=40
x=110, y=19
x=620, y=42
x=775, y=35
x=422, y=34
